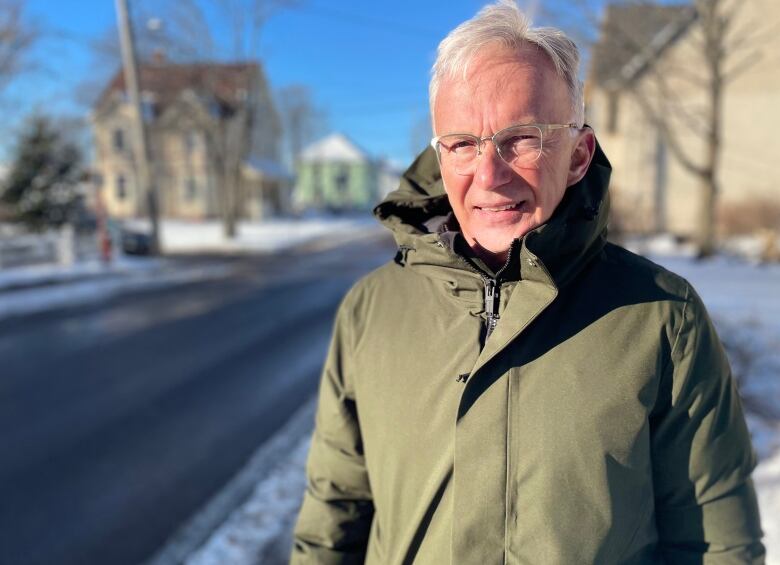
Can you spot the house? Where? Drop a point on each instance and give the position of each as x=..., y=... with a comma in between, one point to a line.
x=653, y=54
x=335, y=174
x=209, y=126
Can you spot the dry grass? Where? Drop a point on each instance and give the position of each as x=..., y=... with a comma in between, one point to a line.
x=745, y=218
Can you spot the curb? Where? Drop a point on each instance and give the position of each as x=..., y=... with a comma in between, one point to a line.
x=214, y=534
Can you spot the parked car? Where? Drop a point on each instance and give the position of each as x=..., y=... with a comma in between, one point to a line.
x=135, y=242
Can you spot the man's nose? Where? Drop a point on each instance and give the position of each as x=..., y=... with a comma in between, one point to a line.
x=491, y=170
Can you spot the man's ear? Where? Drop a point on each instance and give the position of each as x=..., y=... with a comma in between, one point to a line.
x=581, y=156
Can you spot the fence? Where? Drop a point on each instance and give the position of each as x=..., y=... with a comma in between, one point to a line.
x=63, y=247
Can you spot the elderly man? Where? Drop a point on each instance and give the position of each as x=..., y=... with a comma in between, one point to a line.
x=512, y=388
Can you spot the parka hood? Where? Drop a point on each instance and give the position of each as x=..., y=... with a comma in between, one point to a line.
x=575, y=232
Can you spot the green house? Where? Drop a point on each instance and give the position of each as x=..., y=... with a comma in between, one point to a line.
x=335, y=174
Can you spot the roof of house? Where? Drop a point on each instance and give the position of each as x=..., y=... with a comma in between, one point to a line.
x=632, y=36
x=227, y=84
x=260, y=167
x=336, y=147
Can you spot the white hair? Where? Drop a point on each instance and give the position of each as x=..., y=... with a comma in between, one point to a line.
x=504, y=23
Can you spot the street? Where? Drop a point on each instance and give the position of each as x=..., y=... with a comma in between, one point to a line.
x=119, y=420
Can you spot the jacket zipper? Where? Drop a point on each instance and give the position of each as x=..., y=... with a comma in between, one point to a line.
x=492, y=295
x=491, y=305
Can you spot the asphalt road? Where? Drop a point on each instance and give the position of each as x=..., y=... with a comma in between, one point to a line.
x=120, y=419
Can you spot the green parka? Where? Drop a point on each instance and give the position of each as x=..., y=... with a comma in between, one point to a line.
x=598, y=422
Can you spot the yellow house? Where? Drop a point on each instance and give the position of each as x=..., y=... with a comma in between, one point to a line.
x=652, y=57
x=202, y=120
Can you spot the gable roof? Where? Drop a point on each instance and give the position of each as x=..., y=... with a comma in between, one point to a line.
x=336, y=147
x=632, y=36
x=227, y=84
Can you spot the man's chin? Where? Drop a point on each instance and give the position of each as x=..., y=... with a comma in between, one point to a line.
x=495, y=241
x=492, y=247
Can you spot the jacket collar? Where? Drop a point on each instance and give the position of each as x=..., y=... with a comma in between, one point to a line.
x=562, y=246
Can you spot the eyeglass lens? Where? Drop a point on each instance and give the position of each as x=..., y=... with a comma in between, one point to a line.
x=518, y=146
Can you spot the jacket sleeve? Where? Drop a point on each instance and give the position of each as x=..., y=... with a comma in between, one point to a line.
x=706, y=509
x=335, y=518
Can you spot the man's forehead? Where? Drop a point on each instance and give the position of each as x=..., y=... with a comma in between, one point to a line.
x=526, y=55
x=522, y=81
x=503, y=64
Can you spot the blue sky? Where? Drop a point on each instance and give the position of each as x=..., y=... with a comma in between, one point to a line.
x=366, y=63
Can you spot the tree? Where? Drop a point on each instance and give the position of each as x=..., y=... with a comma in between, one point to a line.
x=17, y=36
x=46, y=168
x=724, y=45
x=302, y=121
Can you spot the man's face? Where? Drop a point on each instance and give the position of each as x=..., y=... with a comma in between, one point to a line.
x=505, y=88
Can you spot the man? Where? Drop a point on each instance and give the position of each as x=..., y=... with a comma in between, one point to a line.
x=512, y=388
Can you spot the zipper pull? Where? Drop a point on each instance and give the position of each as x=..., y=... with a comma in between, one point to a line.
x=490, y=297
x=491, y=306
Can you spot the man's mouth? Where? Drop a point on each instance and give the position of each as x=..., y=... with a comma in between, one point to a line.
x=502, y=208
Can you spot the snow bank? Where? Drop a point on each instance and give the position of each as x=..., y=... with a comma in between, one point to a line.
x=111, y=282
x=253, y=533
x=180, y=236
x=250, y=520
x=27, y=290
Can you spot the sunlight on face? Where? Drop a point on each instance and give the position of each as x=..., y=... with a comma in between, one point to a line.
x=499, y=203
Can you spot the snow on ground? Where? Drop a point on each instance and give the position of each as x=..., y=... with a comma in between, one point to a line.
x=27, y=290
x=179, y=236
x=252, y=534
x=102, y=285
x=47, y=274
x=743, y=299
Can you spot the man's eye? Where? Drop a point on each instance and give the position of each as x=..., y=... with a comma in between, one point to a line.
x=466, y=144
x=521, y=139
x=463, y=145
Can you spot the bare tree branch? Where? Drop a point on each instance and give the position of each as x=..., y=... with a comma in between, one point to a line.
x=745, y=64
x=17, y=37
x=302, y=120
x=659, y=120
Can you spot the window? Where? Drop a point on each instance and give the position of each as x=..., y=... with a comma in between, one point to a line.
x=148, y=106
x=342, y=180
x=119, y=140
x=317, y=188
x=612, y=112
x=190, y=142
x=121, y=187
x=190, y=189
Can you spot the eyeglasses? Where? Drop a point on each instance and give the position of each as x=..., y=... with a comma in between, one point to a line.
x=519, y=146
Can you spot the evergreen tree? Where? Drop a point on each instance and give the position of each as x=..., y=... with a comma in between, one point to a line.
x=42, y=182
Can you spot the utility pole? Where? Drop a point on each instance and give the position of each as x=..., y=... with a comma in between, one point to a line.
x=139, y=135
